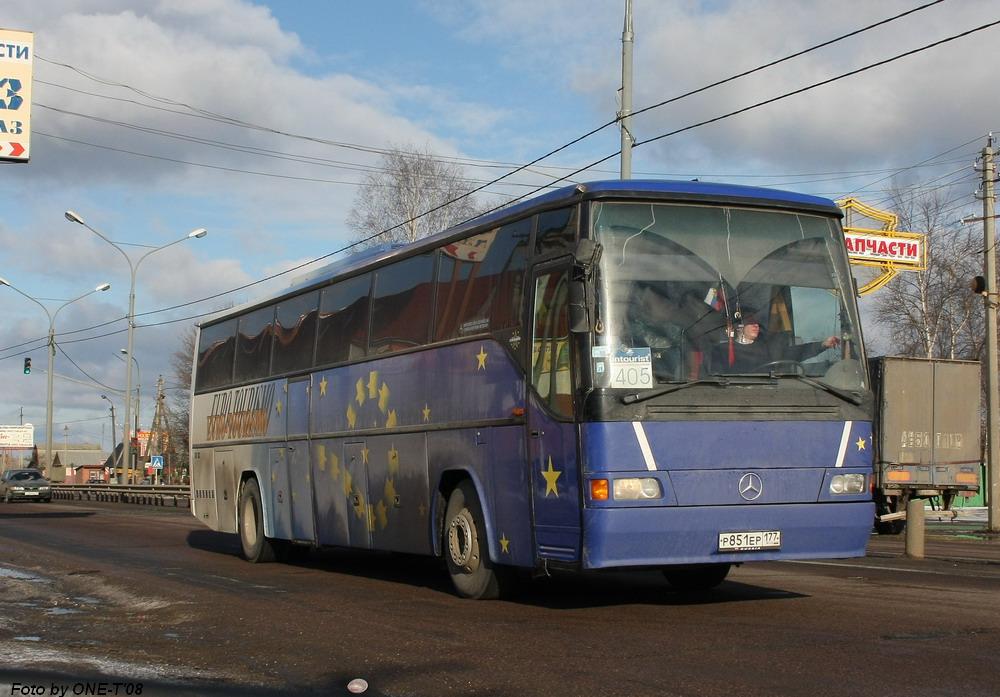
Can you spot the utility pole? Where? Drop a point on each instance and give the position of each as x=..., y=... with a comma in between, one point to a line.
x=156, y=441
x=990, y=305
x=625, y=116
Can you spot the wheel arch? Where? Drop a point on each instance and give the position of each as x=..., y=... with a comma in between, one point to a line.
x=265, y=499
x=447, y=481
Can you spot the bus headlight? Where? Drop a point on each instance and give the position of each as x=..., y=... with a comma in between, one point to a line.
x=637, y=488
x=847, y=484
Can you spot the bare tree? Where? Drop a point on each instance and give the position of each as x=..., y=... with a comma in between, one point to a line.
x=932, y=313
x=410, y=197
x=178, y=415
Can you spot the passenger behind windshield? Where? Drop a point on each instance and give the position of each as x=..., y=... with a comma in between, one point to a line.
x=755, y=350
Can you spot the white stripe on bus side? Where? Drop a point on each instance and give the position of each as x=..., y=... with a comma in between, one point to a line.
x=647, y=453
x=843, y=443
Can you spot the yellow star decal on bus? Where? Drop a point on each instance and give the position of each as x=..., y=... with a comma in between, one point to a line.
x=389, y=490
x=277, y=407
x=504, y=544
x=427, y=413
x=348, y=482
x=393, y=461
x=364, y=455
x=359, y=396
x=322, y=386
x=383, y=517
x=383, y=398
x=551, y=476
x=481, y=357
x=373, y=384
x=390, y=421
x=352, y=416
x=321, y=457
x=334, y=466
x=860, y=444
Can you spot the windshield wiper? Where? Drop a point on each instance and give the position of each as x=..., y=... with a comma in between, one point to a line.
x=673, y=387
x=852, y=397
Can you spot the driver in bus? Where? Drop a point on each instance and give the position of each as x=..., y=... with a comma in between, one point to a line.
x=754, y=350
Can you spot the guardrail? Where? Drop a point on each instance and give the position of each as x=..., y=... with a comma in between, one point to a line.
x=143, y=495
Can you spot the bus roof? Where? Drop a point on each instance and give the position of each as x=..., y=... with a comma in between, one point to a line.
x=666, y=190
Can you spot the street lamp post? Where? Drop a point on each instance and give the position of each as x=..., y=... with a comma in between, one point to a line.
x=133, y=268
x=138, y=389
x=52, y=358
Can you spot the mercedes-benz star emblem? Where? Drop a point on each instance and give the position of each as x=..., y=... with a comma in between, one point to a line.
x=751, y=487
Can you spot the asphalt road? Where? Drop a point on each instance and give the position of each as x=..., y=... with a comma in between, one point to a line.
x=119, y=600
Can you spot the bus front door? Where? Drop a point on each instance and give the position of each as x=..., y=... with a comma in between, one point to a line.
x=552, y=449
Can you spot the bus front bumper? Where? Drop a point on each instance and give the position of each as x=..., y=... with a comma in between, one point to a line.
x=668, y=535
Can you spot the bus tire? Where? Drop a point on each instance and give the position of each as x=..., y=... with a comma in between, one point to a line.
x=696, y=577
x=466, y=551
x=255, y=546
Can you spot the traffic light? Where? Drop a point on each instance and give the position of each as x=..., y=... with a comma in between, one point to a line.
x=27, y=366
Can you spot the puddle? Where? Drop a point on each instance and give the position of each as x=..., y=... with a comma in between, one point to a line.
x=21, y=575
x=27, y=638
x=61, y=611
x=172, y=635
x=87, y=601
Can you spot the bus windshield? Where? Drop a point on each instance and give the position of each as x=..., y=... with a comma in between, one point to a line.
x=687, y=292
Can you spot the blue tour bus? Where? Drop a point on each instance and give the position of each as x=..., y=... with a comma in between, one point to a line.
x=572, y=382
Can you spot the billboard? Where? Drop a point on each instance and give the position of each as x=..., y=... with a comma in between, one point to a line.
x=17, y=436
x=17, y=55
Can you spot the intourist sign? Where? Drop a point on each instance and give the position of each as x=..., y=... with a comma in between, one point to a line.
x=17, y=53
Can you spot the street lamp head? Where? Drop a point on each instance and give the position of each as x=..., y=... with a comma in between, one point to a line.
x=103, y=286
x=4, y=281
x=72, y=217
x=199, y=233
x=124, y=352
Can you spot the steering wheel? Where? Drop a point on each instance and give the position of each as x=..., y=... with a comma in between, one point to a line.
x=774, y=366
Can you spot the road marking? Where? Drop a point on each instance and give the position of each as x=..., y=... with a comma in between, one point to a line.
x=889, y=568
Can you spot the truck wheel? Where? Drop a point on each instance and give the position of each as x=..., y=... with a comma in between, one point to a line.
x=465, y=549
x=256, y=547
x=890, y=504
x=696, y=577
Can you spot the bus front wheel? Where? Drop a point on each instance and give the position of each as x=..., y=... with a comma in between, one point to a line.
x=256, y=547
x=696, y=577
x=465, y=549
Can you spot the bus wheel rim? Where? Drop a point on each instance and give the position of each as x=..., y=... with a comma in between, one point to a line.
x=462, y=543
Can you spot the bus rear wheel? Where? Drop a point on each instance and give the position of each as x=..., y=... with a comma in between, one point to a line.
x=696, y=577
x=256, y=548
x=466, y=551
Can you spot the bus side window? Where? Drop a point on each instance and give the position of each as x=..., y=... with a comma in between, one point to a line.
x=343, y=320
x=401, y=305
x=294, y=333
x=479, y=282
x=550, y=365
x=253, y=344
x=556, y=231
x=215, y=355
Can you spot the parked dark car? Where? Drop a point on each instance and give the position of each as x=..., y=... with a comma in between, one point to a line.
x=24, y=485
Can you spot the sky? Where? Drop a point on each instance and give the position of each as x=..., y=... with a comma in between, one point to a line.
x=258, y=120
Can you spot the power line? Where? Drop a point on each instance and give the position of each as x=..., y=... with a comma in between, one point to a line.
x=233, y=121
x=615, y=154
